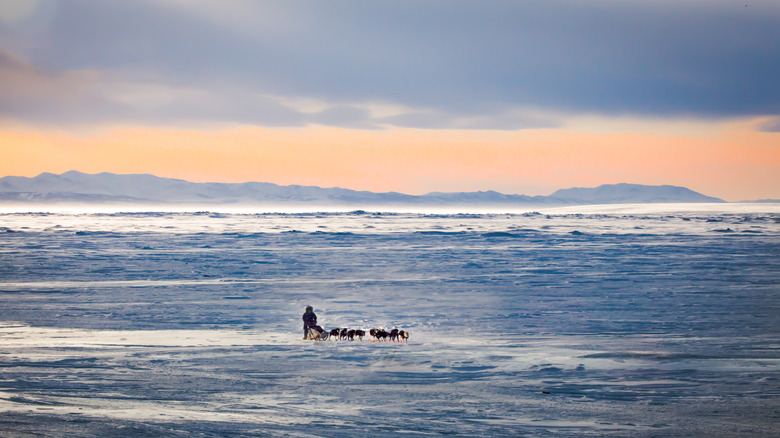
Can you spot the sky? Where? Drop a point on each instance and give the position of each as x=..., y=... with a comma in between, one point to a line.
x=521, y=97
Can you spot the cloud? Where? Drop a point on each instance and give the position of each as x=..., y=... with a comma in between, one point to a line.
x=14, y=11
x=488, y=119
x=31, y=94
x=448, y=64
x=770, y=125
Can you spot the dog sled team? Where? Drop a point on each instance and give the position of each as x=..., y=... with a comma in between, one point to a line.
x=313, y=332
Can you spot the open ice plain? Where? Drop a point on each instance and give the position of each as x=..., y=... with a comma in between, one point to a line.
x=629, y=322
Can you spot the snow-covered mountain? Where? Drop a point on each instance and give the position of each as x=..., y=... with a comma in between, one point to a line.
x=631, y=193
x=77, y=187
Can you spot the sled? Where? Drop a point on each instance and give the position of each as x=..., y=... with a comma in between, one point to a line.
x=316, y=333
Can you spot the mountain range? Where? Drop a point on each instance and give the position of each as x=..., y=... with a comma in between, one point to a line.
x=80, y=188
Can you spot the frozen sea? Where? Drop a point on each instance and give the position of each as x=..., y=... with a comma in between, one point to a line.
x=645, y=321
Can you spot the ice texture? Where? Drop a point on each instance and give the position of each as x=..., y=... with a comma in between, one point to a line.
x=621, y=322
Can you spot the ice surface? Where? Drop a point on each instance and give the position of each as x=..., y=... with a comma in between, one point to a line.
x=608, y=321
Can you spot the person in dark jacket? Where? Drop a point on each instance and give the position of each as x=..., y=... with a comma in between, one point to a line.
x=309, y=320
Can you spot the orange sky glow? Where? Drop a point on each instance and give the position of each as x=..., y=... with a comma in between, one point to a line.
x=731, y=161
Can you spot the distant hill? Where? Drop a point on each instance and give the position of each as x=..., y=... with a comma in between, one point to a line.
x=80, y=188
x=631, y=193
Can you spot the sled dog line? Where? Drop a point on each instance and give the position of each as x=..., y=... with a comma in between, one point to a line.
x=347, y=334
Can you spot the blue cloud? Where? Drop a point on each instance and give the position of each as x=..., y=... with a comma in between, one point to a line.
x=449, y=63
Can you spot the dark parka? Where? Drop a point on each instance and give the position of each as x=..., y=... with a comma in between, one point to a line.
x=309, y=320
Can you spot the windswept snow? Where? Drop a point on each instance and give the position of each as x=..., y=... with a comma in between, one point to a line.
x=619, y=321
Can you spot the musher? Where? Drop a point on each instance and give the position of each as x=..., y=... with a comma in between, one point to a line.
x=309, y=321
